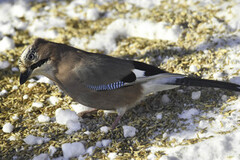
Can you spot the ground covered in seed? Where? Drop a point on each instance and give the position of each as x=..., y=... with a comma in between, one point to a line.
x=205, y=44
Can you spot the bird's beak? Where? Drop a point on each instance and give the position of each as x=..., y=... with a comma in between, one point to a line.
x=25, y=75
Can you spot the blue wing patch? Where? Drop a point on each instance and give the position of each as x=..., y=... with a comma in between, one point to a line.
x=106, y=87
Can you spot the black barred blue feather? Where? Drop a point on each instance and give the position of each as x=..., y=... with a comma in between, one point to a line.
x=105, y=87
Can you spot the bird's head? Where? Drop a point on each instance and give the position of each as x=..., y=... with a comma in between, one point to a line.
x=35, y=60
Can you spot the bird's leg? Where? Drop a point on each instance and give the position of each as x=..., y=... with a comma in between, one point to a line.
x=116, y=121
x=120, y=112
x=86, y=113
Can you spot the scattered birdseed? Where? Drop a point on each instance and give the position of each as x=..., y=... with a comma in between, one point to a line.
x=197, y=50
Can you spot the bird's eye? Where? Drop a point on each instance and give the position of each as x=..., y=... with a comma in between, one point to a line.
x=31, y=56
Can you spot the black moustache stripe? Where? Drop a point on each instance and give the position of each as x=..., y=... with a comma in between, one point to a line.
x=39, y=63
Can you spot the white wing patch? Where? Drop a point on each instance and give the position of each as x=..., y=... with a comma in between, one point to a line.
x=139, y=73
x=161, y=82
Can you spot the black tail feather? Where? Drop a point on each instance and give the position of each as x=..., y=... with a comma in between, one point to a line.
x=189, y=81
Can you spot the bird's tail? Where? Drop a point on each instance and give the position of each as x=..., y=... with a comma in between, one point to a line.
x=166, y=81
x=189, y=81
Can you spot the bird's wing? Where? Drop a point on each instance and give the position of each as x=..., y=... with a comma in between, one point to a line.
x=102, y=72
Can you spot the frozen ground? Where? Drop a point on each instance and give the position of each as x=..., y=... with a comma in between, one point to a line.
x=190, y=37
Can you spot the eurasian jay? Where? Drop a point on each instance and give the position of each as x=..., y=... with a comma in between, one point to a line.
x=100, y=81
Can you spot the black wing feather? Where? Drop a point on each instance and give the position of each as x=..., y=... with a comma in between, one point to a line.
x=149, y=69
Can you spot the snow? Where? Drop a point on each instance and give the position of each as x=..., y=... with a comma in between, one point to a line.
x=7, y=128
x=12, y=138
x=43, y=156
x=73, y=126
x=144, y=3
x=71, y=150
x=103, y=143
x=232, y=15
x=132, y=28
x=3, y=92
x=151, y=156
x=63, y=116
x=99, y=144
x=224, y=98
x=32, y=140
x=43, y=118
x=219, y=146
x=15, y=117
x=165, y=99
x=187, y=114
x=43, y=79
x=193, y=68
x=19, y=9
x=90, y=150
x=7, y=29
x=37, y=104
x=68, y=118
x=218, y=75
x=25, y=96
x=15, y=69
x=91, y=14
x=87, y=132
x=53, y=100
x=196, y=95
x=52, y=150
x=106, y=142
x=4, y=64
x=30, y=85
x=6, y=44
x=15, y=87
x=42, y=28
x=129, y=131
x=104, y=129
x=112, y=156
x=159, y=116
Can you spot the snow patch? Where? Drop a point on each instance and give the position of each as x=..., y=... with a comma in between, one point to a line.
x=187, y=114
x=4, y=64
x=196, y=95
x=52, y=150
x=144, y=3
x=129, y=131
x=43, y=156
x=3, y=92
x=193, y=68
x=53, y=100
x=37, y=104
x=73, y=126
x=112, y=155
x=68, y=118
x=7, y=128
x=63, y=116
x=165, y=99
x=43, y=118
x=159, y=116
x=71, y=150
x=104, y=129
x=6, y=44
x=32, y=140
x=132, y=28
